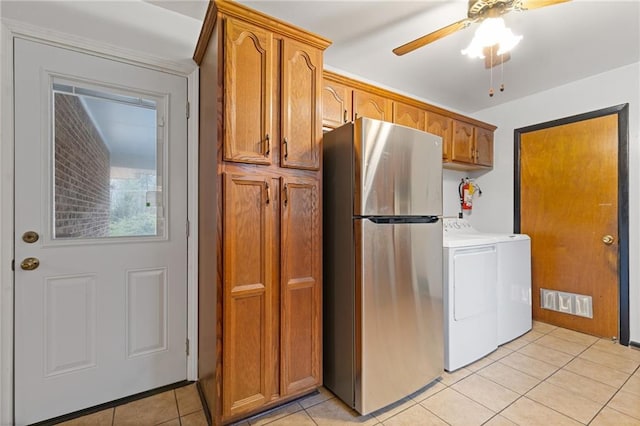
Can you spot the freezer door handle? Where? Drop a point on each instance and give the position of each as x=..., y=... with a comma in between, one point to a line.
x=403, y=219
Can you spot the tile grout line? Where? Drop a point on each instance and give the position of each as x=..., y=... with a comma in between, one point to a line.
x=560, y=368
x=175, y=398
x=540, y=380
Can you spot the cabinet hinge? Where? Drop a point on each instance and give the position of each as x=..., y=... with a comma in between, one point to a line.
x=188, y=228
x=188, y=110
x=187, y=348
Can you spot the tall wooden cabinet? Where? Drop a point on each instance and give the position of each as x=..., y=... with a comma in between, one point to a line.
x=260, y=283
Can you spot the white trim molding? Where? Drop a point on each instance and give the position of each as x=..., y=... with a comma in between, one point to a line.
x=9, y=30
x=192, y=211
x=6, y=226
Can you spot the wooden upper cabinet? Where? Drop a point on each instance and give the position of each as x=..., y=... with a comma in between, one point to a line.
x=336, y=104
x=247, y=293
x=442, y=126
x=301, y=326
x=484, y=147
x=301, y=99
x=462, y=145
x=248, y=88
x=408, y=115
x=372, y=106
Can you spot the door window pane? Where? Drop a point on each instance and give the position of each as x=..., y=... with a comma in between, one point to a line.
x=107, y=179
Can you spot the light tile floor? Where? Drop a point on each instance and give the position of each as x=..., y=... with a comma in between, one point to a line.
x=550, y=376
x=176, y=407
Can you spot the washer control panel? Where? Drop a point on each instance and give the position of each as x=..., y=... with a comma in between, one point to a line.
x=456, y=225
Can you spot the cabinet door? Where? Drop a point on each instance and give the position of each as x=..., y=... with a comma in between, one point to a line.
x=301, y=101
x=301, y=296
x=248, y=89
x=442, y=126
x=484, y=147
x=248, y=304
x=462, y=146
x=372, y=106
x=336, y=104
x=408, y=115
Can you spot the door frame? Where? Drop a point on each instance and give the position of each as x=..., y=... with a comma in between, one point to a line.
x=622, y=111
x=9, y=30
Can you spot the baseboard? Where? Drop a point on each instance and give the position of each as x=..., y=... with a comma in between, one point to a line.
x=634, y=344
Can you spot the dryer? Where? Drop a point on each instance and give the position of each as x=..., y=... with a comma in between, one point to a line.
x=514, y=286
x=470, y=280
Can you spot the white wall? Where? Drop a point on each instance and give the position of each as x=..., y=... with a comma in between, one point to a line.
x=493, y=212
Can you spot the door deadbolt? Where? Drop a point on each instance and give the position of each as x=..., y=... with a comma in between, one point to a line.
x=30, y=263
x=30, y=237
x=607, y=239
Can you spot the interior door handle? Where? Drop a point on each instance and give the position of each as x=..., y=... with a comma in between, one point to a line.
x=30, y=263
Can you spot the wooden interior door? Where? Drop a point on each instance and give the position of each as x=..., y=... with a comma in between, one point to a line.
x=569, y=207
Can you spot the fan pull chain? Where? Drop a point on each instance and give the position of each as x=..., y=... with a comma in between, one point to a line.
x=491, y=73
x=502, y=76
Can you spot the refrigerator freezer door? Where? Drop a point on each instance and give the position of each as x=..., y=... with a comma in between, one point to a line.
x=398, y=170
x=399, y=329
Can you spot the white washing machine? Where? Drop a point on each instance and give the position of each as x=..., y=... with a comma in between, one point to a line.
x=514, y=278
x=470, y=279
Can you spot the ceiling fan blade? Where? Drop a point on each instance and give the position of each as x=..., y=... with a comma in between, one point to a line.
x=431, y=37
x=537, y=4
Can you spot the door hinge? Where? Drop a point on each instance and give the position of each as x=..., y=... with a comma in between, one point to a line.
x=187, y=349
x=188, y=228
x=188, y=110
x=13, y=264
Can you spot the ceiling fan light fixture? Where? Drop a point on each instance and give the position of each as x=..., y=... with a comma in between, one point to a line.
x=491, y=32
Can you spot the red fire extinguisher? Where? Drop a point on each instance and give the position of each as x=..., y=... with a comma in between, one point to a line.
x=466, y=189
x=467, y=196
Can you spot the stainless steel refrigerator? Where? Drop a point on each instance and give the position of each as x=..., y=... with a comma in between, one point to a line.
x=383, y=324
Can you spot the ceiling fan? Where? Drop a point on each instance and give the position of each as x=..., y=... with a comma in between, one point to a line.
x=479, y=10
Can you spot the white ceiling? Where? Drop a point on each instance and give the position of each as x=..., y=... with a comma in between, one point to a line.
x=561, y=43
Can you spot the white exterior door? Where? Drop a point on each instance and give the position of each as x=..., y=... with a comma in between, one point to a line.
x=100, y=230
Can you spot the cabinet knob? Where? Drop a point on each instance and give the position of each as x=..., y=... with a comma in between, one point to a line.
x=345, y=116
x=285, y=144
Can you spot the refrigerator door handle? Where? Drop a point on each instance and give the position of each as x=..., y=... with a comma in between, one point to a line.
x=393, y=220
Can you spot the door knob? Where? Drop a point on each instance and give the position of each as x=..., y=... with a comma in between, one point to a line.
x=607, y=239
x=30, y=237
x=30, y=263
